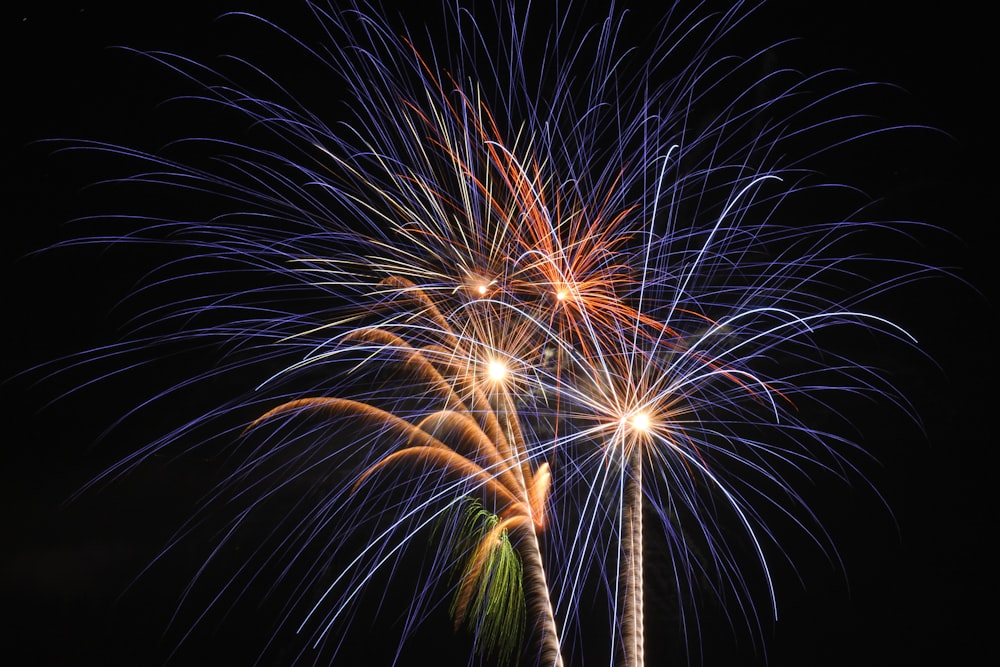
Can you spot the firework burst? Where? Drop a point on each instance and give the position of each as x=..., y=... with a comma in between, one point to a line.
x=481, y=447
x=527, y=306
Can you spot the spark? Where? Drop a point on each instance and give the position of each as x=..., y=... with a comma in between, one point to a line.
x=641, y=422
x=497, y=371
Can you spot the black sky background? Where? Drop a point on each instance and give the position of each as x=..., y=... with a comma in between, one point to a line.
x=920, y=595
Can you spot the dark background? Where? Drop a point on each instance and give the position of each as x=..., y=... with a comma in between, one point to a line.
x=921, y=594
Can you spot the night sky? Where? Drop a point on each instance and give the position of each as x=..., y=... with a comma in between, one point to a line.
x=920, y=593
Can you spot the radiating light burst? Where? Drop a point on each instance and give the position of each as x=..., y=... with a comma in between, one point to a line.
x=576, y=292
x=497, y=371
x=640, y=422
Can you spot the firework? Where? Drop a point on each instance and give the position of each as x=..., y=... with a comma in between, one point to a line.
x=502, y=275
x=483, y=449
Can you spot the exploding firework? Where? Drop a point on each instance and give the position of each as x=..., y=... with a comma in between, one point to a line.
x=480, y=447
x=535, y=255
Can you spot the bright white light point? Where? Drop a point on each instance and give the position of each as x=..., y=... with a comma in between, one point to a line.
x=497, y=371
x=561, y=294
x=640, y=421
x=481, y=289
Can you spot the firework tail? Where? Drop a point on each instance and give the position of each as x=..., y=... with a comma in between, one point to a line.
x=633, y=629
